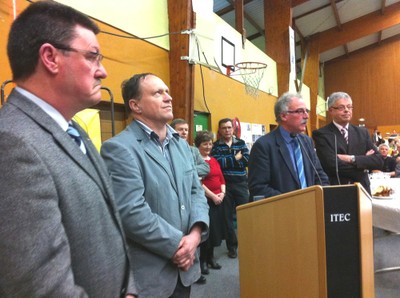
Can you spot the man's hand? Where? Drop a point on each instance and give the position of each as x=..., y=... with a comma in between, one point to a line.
x=185, y=255
x=238, y=155
x=345, y=157
x=370, y=152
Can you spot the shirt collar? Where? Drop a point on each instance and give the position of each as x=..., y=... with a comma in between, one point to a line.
x=285, y=134
x=48, y=109
x=152, y=134
x=222, y=141
x=340, y=126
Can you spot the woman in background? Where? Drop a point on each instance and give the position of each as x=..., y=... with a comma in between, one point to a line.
x=214, y=187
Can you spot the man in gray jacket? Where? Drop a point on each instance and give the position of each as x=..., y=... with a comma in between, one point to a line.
x=60, y=233
x=158, y=193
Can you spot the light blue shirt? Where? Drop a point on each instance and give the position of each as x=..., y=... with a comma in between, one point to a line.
x=288, y=141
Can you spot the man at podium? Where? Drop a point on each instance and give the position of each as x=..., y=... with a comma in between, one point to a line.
x=284, y=159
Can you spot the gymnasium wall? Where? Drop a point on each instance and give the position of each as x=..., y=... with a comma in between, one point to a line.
x=371, y=77
x=225, y=97
x=127, y=54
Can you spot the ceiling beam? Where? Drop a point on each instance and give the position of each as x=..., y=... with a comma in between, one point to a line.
x=315, y=10
x=336, y=14
x=394, y=38
x=380, y=37
x=230, y=8
x=254, y=23
x=242, y=12
x=383, y=5
x=239, y=16
x=358, y=28
x=298, y=2
x=255, y=35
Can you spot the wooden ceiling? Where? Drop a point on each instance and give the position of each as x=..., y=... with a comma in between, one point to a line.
x=344, y=26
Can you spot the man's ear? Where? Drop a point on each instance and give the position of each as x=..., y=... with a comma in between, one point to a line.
x=134, y=106
x=49, y=56
x=284, y=117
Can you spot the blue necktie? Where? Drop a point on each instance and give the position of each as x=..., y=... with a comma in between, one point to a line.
x=299, y=163
x=74, y=134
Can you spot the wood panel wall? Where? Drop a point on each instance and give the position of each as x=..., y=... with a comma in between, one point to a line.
x=372, y=78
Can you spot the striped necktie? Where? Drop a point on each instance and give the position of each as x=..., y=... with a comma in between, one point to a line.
x=299, y=163
x=344, y=134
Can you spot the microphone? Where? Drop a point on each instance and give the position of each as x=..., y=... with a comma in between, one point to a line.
x=294, y=135
x=336, y=161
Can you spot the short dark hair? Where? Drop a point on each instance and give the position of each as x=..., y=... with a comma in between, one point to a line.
x=42, y=22
x=224, y=120
x=177, y=121
x=203, y=136
x=131, y=88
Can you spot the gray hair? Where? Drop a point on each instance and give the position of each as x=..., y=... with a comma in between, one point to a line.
x=383, y=145
x=281, y=105
x=335, y=96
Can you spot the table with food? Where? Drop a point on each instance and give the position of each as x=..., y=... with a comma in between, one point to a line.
x=386, y=203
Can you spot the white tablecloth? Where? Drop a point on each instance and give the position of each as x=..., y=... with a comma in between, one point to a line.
x=386, y=213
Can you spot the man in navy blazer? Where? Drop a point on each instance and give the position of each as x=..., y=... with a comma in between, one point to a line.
x=272, y=166
x=159, y=196
x=346, y=151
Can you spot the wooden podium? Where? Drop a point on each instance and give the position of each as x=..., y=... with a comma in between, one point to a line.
x=314, y=242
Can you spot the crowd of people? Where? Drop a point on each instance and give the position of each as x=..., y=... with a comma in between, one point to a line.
x=141, y=219
x=390, y=153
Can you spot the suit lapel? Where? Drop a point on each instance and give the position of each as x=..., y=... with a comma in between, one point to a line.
x=61, y=137
x=154, y=152
x=285, y=153
x=352, y=138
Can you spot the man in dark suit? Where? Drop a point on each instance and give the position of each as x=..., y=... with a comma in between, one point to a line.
x=346, y=151
x=60, y=233
x=273, y=167
x=158, y=192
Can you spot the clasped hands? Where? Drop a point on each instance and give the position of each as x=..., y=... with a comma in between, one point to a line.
x=185, y=255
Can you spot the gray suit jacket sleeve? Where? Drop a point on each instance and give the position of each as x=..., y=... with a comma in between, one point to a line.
x=39, y=236
x=203, y=169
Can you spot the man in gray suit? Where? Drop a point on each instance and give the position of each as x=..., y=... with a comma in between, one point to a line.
x=60, y=234
x=162, y=204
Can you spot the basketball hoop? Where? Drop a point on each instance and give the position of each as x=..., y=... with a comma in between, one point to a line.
x=252, y=73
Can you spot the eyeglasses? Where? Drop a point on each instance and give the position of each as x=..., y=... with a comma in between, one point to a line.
x=93, y=57
x=342, y=108
x=299, y=111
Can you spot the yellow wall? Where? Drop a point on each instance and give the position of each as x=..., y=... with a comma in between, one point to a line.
x=226, y=98
x=140, y=18
x=123, y=57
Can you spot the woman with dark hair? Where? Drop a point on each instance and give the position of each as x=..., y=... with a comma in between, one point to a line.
x=214, y=187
